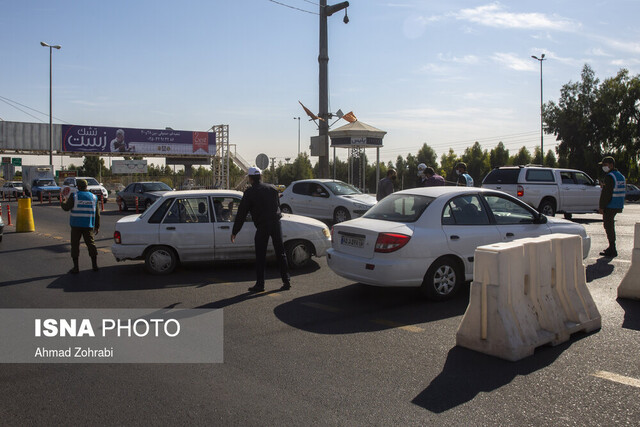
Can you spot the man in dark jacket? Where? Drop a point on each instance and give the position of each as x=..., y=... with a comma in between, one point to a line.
x=263, y=202
x=611, y=202
x=385, y=186
x=433, y=179
x=84, y=221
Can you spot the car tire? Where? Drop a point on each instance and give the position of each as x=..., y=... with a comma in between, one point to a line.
x=298, y=253
x=160, y=260
x=442, y=280
x=123, y=205
x=286, y=209
x=568, y=216
x=341, y=214
x=547, y=207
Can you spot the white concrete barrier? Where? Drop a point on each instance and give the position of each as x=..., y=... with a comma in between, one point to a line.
x=525, y=294
x=630, y=285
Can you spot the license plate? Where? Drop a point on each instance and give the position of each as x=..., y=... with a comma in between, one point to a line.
x=356, y=242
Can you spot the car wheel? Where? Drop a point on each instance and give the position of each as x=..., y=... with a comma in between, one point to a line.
x=160, y=260
x=298, y=253
x=568, y=216
x=341, y=215
x=547, y=207
x=285, y=209
x=442, y=280
x=123, y=205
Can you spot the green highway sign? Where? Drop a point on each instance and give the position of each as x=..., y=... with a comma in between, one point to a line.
x=16, y=161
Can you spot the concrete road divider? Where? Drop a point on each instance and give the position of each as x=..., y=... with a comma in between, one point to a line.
x=525, y=294
x=24, y=220
x=630, y=285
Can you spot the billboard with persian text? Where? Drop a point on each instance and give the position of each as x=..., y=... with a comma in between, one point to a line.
x=137, y=142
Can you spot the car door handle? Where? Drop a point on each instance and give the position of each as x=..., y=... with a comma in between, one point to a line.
x=224, y=227
x=510, y=234
x=171, y=228
x=454, y=237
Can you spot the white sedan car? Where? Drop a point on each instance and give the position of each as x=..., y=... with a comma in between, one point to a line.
x=427, y=237
x=325, y=199
x=196, y=225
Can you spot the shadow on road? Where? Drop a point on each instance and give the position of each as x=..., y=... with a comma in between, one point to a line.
x=361, y=308
x=467, y=373
x=130, y=277
x=586, y=220
x=602, y=268
x=631, y=313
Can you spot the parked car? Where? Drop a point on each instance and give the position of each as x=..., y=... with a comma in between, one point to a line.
x=70, y=186
x=633, y=193
x=12, y=189
x=427, y=237
x=549, y=190
x=145, y=192
x=196, y=225
x=325, y=199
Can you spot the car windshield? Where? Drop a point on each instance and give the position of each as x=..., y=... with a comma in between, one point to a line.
x=156, y=186
x=44, y=182
x=92, y=181
x=340, y=188
x=399, y=208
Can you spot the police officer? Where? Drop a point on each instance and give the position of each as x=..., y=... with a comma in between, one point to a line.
x=84, y=221
x=611, y=202
x=464, y=179
x=263, y=202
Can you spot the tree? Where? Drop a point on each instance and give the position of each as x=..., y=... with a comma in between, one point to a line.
x=300, y=169
x=447, y=166
x=522, y=158
x=427, y=156
x=499, y=156
x=93, y=166
x=550, y=160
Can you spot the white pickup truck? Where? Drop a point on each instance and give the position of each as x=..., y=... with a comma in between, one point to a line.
x=549, y=190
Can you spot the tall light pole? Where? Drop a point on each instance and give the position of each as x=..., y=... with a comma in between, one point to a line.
x=298, y=119
x=51, y=47
x=323, y=61
x=541, y=108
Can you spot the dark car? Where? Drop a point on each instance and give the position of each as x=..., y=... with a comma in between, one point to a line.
x=633, y=193
x=145, y=192
x=1, y=224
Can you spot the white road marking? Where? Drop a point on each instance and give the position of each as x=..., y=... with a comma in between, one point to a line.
x=634, y=382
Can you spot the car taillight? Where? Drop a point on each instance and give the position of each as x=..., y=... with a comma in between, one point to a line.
x=390, y=242
x=117, y=237
x=520, y=192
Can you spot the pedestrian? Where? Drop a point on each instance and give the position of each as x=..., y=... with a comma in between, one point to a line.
x=84, y=221
x=385, y=186
x=421, y=178
x=611, y=202
x=263, y=202
x=464, y=179
x=432, y=178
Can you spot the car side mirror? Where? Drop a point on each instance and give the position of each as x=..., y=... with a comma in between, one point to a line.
x=541, y=219
x=596, y=182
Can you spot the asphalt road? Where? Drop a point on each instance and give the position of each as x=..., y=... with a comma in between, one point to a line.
x=328, y=352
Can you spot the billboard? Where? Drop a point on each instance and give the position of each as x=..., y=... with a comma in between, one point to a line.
x=128, y=166
x=134, y=142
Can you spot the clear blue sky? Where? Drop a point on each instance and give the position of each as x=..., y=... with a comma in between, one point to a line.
x=447, y=73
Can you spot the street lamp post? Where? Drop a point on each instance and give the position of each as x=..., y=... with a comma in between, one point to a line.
x=51, y=47
x=541, y=109
x=298, y=119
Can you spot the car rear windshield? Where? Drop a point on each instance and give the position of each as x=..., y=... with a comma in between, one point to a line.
x=156, y=186
x=399, y=208
x=502, y=176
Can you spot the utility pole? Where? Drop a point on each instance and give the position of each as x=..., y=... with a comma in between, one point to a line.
x=323, y=61
x=541, y=109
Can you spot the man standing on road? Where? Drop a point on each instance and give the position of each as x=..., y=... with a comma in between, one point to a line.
x=611, y=202
x=433, y=179
x=464, y=179
x=385, y=186
x=263, y=202
x=84, y=221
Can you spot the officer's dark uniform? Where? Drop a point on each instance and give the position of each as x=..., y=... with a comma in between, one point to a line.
x=611, y=203
x=84, y=219
x=263, y=202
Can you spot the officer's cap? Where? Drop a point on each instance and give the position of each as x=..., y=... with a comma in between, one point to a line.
x=254, y=171
x=609, y=160
x=82, y=184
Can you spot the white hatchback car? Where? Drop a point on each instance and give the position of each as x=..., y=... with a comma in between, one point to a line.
x=196, y=225
x=427, y=237
x=325, y=199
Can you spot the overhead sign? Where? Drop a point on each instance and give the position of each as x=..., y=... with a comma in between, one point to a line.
x=356, y=141
x=128, y=166
x=6, y=160
x=128, y=141
x=16, y=161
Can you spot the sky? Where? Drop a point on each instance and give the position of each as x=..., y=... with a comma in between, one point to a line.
x=445, y=73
